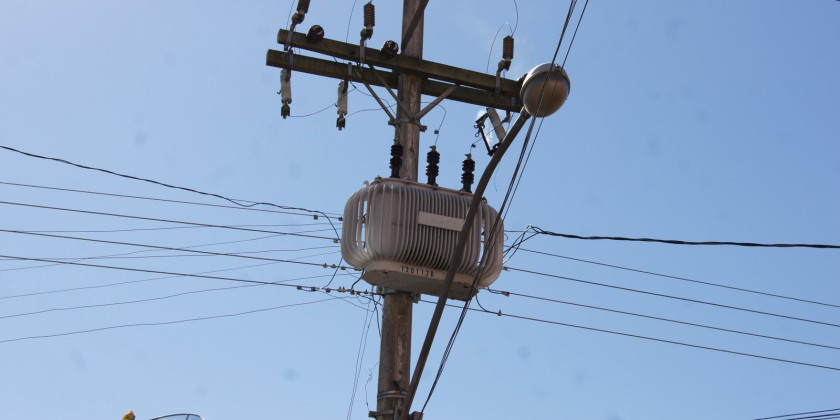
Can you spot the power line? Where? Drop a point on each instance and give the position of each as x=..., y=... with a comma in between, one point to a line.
x=265, y=251
x=238, y=202
x=360, y=355
x=165, y=200
x=679, y=242
x=100, y=286
x=798, y=414
x=142, y=270
x=770, y=337
x=724, y=286
x=679, y=343
x=510, y=194
x=148, y=250
x=97, y=213
x=828, y=416
x=166, y=248
x=155, y=324
x=661, y=340
x=152, y=299
x=702, y=302
x=177, y=228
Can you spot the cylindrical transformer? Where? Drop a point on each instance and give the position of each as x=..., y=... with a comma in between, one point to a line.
x=402, y=234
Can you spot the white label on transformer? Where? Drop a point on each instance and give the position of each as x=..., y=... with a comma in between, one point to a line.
x=443, y=222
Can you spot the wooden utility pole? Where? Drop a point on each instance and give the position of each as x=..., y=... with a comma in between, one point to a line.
x=412, y=77
x=395, y=346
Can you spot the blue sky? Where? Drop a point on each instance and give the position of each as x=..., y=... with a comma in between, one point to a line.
x=690, y=120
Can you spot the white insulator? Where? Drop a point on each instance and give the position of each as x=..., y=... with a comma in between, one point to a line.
x=402, y=234
x=285, y=86
x=341, y=104
x=498, y=129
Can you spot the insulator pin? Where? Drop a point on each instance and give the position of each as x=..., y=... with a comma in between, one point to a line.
x=389, y=49
x=467, y=177
x=396, y=160
x=315, y=34
x=303, y=6
x=432, y=168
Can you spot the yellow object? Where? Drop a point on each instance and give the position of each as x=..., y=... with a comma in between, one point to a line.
x=128, y=416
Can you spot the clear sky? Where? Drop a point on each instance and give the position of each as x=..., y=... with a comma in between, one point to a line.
x=706, y=120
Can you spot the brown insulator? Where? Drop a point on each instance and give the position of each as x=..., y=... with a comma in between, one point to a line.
x=467, y=177
x=370, y=15
x=507, y=48
x=396, y=160
x=432, y=169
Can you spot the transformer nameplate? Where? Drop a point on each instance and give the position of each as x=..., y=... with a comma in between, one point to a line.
x=443, y=222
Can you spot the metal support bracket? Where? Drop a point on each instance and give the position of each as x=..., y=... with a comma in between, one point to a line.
x=391, y=119
x=391, y=91
x=434, y=103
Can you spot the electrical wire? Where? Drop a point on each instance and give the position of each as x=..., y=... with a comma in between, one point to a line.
x=155, y=324
x=349, y=20
x=152, y=299
x=562, y=66
x=679, y=242
x=360, y=356
x=331, y=105
x=122, y=283
x=510, y=193
x=166, y=248
x=142, y=270
x=153, y=219
x=660, y=340
x=684, y=299
x=176, y=228
x=237, y=201
x=265, y=251
x=482, y=261
x=668, y=276
x=165, y=200
x=599, y=308
x=147, y=250
x=798, y=414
